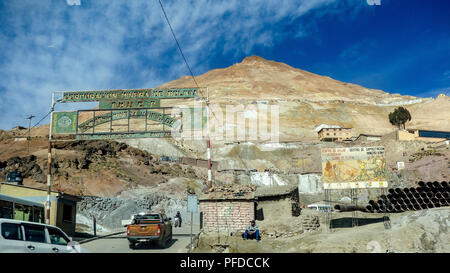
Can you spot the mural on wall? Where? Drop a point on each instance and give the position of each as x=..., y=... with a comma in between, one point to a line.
x=354, y=167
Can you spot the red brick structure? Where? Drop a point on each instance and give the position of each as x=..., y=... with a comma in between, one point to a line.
x=226, y=215
x=226, y=211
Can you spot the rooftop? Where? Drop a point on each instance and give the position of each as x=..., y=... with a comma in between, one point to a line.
x=229, y=192
x=60, y=193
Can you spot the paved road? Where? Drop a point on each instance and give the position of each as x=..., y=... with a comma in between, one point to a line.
x=119, y=243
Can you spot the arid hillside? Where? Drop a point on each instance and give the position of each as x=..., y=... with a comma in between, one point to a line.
x=307, y=100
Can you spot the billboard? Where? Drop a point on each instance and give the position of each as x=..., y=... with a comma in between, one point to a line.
x=354, y=167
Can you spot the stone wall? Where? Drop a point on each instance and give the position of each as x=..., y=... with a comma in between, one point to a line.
x=226, y=216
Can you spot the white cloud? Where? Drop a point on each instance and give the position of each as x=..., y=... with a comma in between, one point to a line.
x=51, y=45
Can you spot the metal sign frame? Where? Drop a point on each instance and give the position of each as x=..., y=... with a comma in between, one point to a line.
x=145, y=97
x=142, y=113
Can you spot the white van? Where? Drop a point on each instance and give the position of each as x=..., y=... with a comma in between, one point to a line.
x=30, y=237
x=320, y=207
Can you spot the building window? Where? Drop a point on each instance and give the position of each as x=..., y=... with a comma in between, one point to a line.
x=23, y=212
x=6, y=209
x=67, y=213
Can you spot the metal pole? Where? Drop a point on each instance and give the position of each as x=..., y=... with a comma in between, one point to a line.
x=49, y=162
x=29, y=133
x=95, y=225
x=192, y=220
x=208, y=140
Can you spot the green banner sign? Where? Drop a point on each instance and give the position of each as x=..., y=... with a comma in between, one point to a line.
x=123, y=114
x=159, y=134
x=145, y=103
x=117, y=95
x=64, y=122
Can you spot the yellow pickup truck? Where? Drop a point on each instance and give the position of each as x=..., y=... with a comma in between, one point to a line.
x=149, y=227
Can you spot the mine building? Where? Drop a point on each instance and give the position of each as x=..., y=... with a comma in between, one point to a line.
x=63, y=206
x=335, y=134
x=423, y=135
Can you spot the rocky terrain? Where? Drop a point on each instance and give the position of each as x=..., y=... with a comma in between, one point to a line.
x=120, y=178
x=307, y=100
x=100, y=168
x=425, y=231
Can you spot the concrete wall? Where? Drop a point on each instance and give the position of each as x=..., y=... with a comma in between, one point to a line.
x=226, y=216
x=273, y=209
x=267, y=179
x=407, y=136
x=310, y=183
x=199, y=163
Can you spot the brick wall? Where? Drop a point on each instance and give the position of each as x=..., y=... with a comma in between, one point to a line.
x=227, y=216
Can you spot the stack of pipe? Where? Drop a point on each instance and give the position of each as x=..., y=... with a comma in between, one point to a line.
x=426, y=195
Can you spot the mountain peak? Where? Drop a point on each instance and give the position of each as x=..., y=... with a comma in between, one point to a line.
x=253, y=59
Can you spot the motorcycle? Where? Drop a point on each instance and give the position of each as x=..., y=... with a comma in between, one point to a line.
x=177, y=221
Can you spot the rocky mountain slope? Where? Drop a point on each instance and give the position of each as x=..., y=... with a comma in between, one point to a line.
x=307, y=100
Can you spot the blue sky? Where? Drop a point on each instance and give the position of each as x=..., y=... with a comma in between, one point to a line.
x=400, y=46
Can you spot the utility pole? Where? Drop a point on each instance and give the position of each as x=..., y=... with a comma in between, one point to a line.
x=29, y=132
x=49, y=163
x=208, y=140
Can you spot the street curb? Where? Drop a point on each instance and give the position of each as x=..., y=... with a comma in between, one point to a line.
x=100, y=237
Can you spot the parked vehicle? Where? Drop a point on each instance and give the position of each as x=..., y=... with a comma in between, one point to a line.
x=15, y=177
x=30, y=237
x=149, y=227
x=320, y=207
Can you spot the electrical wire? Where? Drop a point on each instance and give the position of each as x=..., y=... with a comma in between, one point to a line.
x=178, y=44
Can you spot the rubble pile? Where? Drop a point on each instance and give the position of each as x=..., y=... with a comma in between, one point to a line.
x=310, y=222
x=231, y=191
x=109, y=211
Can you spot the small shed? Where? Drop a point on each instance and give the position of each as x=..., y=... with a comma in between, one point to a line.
x=275, y=202
x=63, y=207
x=227, y=208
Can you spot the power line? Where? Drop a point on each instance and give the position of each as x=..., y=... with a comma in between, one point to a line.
x=178, y=44
x=9, y=147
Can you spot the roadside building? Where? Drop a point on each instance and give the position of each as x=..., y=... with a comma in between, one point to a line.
x=63, y=207
x=335, y=134
x=423, y=135
x=227, y=208
x=273, y=202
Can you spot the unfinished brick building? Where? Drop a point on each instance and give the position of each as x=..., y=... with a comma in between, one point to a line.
x=227, y=209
